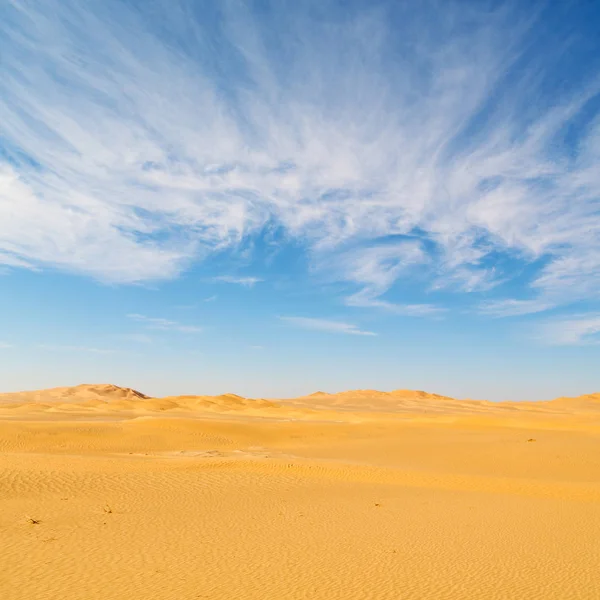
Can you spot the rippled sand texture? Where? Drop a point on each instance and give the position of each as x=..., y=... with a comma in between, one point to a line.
x=108, y=494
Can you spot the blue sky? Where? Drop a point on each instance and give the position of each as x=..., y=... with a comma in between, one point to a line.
x=271, y=198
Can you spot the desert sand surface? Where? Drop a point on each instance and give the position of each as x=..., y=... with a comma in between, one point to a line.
x=106, y=493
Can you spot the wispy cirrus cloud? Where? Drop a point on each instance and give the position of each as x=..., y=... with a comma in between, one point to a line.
x=363, y=300
x=511, y=307
x=164, y=324
x=5, y=345
x=326, y=325
x=375, y=269
x=122, y=138
x=237, y=280
x=576, y=330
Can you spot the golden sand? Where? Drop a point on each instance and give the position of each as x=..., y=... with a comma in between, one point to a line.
x=108, y=494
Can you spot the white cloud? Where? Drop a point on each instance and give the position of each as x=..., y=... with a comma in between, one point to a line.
x=363, y=300
x=244, y=281
x=164, y=324
x=374, y=270
x=75, y=232
x=123, y=143
x=468, y=279
x=326, y=325
x=211, y=298
x=511, y=308
x=378, y=267
x=5, y=345
x=574, y=330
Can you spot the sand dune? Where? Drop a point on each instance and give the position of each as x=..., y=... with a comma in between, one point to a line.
x=108, y=493
x=78, y=393
x=357, y=405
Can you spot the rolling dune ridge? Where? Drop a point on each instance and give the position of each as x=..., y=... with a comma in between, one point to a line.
x=108, y=493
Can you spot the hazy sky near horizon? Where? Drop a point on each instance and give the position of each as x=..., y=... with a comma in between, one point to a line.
x=271, y=198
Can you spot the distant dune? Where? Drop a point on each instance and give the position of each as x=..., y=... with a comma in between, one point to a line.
x=108, y=397
x=78, y=393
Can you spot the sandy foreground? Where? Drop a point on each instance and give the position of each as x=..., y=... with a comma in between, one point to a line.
x=108, y=494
